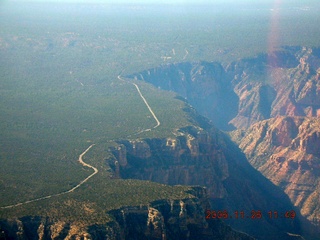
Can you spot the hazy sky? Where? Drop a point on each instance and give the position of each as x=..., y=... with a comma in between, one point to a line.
x=235, y=2
x=123, y=1
x=138, y=1
x=165, y=1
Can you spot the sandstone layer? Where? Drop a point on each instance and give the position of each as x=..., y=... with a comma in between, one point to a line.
x=286, y=150
x=273, y=99
x=208, y=158
x=159, y=220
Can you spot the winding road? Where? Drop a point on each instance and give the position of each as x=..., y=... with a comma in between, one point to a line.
x=95, y=170
x=146, y=103
x=65, y=192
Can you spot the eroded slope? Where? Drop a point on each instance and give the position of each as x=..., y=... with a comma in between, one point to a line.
x=286, y=150
x=247, y=92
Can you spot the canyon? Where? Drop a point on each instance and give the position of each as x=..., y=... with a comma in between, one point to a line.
x=161, y=219
x=159, y=121
x=208, y=158
x=252, y=147
x=270, y=106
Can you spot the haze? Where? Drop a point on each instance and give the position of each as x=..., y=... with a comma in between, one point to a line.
x=253, y=2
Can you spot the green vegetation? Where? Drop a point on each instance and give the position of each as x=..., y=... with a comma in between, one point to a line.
x=59, y=93
x=56, y=100
x=48, y=121
x=107, y=195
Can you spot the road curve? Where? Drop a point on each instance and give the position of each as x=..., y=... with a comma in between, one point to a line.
x=95, y=170
x=145, y=101
x=65, y=192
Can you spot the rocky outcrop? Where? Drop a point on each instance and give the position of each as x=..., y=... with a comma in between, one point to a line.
x=208, y=158
x=161, y=219
x=286, y=151
x=244, y=94
x=284, y=82
x=179, y=219
x=36, y=227
x=254, y=104
x=195, y=158
x=204, y=85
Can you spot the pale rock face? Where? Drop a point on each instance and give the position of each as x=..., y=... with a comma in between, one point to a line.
x=156, y=222
x=246, y=92
x=77, y=233
x=193, y=145
x=284, y=82
x=252, y=94
x=56, y=229
x=286, y=150
x=203, y=84
x=204, y=158
x=41, y=231
x=173, y=219
x=181, y=160
x=42, y=228
x=171, y=143
x=20, y=231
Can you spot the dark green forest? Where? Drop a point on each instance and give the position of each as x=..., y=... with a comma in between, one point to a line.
x=59, y=91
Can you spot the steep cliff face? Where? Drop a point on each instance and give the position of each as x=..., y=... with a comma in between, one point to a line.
x=255, y=103
x=281, y=83
x=183, y=219
x=195, y=158
x=208, y=158
x=36, y=227
x=161, y=219
x=298, y=88
x=286, y=151
x=241, y=94
x=284, y=82
x=205, y=86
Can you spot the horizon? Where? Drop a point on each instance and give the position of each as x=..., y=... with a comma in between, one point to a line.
x=173, y=2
